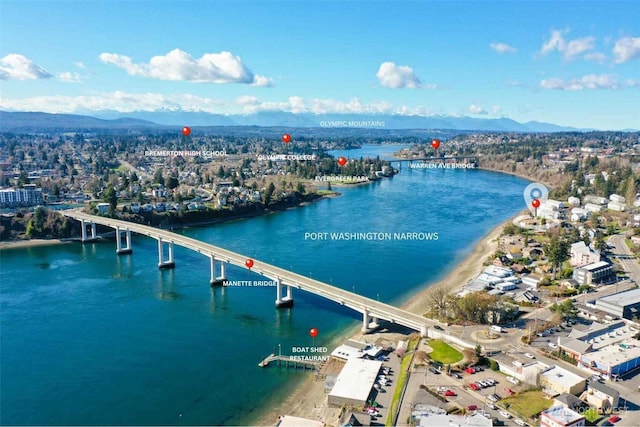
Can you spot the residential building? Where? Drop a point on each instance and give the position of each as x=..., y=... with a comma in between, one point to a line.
x=590, y=274
x=615, y=206
x=559, y=416
x=29, y=195
x=617, y=198
x=592, y=207
x=601, y=396
x=581, y=254
x=595, y=199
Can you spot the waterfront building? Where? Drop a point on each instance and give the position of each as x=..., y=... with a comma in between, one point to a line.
x=29, y=195
x=354, y=383
x=590, y=274
x=581, y=254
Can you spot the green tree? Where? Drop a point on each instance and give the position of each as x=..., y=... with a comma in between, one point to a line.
x=268, y=194
x=158, y=178
x=110, y=196
x=300, y=188
x=35, y=226
x=172, y=182
x=557, y=251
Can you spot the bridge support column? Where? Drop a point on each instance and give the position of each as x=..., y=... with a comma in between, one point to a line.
x=84, y=224
x=423, y=331
x=162, y=264
x=119, y=249
x=287, y=301
x=219, y=280
x=365, y=321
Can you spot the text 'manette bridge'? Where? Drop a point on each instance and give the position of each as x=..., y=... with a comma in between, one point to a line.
x=371, y=310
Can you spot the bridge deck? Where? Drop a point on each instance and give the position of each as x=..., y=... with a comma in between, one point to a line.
x=355, y=301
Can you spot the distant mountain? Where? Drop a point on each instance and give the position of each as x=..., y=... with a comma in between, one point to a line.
x=331, y=123
x=34, y=120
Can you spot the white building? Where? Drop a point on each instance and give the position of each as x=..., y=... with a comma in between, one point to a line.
x=596, y=199
x=354, y=383
x=615, y=206
x=617, y=198
x=27, y=196
x=559, y=416
x=579, y=214
x=574, y=201
x=581, y=254
x=592, y=207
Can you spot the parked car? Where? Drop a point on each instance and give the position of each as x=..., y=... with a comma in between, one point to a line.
x=457, y=376
x=472, y=407
x=513, y=380
x=434, y=371
x=474, y=386
x=614, y=419
x=470, y=370
x=491, y=406
x=508, y=390
x=493, y=397
x=442, y=389
x=530, y=356
x=552, y=345
x=505, y=414
x=450, y=393
x=520, y=422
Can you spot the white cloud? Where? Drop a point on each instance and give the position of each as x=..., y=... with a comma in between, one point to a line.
x=397, y=76
x=595, y=57
x=503, y=48
x=626, y=49
x=569, y=49
x=116, y=101
x=70, y=77
x=590, y=81
x=221, y=67
x=19, y=67
x=80, y=64
x=247, y=100
x=476, y=109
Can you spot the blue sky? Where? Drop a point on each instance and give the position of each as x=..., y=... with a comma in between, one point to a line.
x=569, y=63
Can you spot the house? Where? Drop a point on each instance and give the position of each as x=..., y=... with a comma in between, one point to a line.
x=596, y=200
x=592, y=207
x=603, y=397
x=615, y=206
x=635, y=240
x=617, y=199
x=574, y=201
x=581, y=254
x=579, y=214
x=570, y=401
x=103, y=208
x=532, y=252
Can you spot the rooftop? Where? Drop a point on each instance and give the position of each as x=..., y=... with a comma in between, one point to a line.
x=613, y=355
x=356, y=379
x=561, y=415
x=561, y=376
x=623, y=298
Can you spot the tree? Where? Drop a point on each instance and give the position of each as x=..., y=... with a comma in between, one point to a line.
x=599, y=242
x=557, y=251
x=300, y=188
x=134, y=176
x=35, y=227
x=268, y=194
x=110, y=196
x=172, y=182
x=158, y=178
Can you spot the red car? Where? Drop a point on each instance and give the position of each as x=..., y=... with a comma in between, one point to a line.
x=474, y=386
x=614, y=419
x=450, y=393
x=472, y=407
x=508, y=390
x=470, y=370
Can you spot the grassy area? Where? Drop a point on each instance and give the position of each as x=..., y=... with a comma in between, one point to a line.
x=528, y=403
x=591, y=415
x=444, y=353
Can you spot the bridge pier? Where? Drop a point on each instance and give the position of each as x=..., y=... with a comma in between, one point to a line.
x=84, y=231
x=119, y=249
x=219, y=280
x=365, y=321
x=286, y=301
x=423, y=331
x=162, y=264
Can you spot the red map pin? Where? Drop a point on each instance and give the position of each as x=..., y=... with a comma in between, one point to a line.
x=249, y=263
x=435, y=144
x=313, y=332
x=186, y=130
x=286, y=138
x=342, y=161
x=535, y=203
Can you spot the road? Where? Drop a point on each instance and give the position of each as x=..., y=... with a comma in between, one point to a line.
x=623, y=254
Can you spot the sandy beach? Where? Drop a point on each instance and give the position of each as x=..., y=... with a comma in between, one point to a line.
x=308, y=399
x=21, y=244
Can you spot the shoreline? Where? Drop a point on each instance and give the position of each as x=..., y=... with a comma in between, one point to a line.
x=30, y=243
x=309, y=392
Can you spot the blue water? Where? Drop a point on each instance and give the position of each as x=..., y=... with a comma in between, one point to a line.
x=89, y=337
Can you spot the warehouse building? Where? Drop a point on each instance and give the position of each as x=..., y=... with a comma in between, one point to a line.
x=623, y=304
x=354, y=383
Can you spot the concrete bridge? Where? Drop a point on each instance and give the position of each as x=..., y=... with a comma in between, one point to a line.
x=371, y=310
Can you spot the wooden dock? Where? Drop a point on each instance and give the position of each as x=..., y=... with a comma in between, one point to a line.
x=287, y=362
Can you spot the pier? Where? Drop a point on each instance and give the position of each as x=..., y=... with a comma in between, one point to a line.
x=287, y=362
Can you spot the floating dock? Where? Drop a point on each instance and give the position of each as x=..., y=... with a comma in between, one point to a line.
x=287, y=362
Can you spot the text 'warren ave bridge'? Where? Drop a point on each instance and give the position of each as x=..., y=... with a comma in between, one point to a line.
x=371, y=310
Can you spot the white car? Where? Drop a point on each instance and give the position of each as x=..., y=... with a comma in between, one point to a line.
x=442, y=389
x=505, y=414
x=552, y=345
x=513, y=380
x=520, y=422
x=529, y=355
